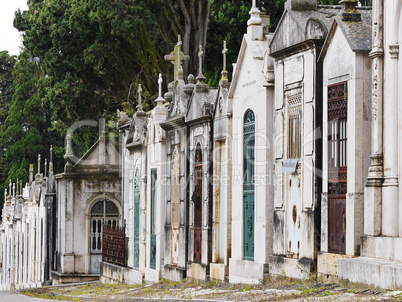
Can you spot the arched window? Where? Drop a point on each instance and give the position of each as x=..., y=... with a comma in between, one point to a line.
x=248, y=184
x=103, y=211
x=197, y=200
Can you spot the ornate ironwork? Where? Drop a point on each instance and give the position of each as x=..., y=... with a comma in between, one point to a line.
x=294, y=108
x=248, y=185
x=114, y=245
x=197, y=200
x=337, y=166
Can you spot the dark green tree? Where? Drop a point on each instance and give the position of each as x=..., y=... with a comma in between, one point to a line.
x=7, y=63
x=27, y=130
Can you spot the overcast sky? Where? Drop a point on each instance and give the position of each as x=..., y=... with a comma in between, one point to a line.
x=10, y=38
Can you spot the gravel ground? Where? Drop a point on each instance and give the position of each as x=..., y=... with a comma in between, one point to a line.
x=282, y=290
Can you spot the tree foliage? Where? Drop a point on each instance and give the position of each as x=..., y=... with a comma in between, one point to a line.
x=27, y=129
x=84, y=57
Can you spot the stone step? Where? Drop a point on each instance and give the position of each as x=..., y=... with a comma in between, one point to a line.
x=370, y=272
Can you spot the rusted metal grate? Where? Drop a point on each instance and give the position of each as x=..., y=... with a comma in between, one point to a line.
x=114, y=245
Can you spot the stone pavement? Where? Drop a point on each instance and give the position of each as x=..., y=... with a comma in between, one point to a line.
x=16, y=296
x=165, y=291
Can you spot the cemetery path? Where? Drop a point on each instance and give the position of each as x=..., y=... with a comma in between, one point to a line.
x=166, y=291
x=15, y=296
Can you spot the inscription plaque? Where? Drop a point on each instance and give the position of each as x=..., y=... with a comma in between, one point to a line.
x=294, y=70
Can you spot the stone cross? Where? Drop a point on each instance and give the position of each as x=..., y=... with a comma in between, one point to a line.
x=160, y=81
x=200, y=56
x=254, y=3
x=139, y=97
x=176, y=57
x=224, y=51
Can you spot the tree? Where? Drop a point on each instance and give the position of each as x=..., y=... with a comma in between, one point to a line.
x=7, y=63
x=27, y=130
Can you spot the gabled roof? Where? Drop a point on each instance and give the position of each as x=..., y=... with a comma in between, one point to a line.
x=103, y=153
x=296, y=27
x=357, y=34
x=257, y=49
x=201, y=105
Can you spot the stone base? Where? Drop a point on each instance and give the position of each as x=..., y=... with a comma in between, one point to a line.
x=60, y=278
x=370, y=272
x=289, y=267
x=217, y=271
x=388, y=248
x=249, y=272
x=114, y=274
x=152, y=275
x=327, y=266
x=197, y=271
x=173, y=273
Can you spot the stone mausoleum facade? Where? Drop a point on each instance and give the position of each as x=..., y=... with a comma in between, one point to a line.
x=290, y=168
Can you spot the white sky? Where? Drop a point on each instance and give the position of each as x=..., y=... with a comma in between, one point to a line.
x=10, y=38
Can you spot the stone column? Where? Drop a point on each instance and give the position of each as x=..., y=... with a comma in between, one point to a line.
x=390, y=207
x=373, y=190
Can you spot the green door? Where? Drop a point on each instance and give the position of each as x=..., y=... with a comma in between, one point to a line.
x=136, y=220
x=248, y=185
x=153, y=220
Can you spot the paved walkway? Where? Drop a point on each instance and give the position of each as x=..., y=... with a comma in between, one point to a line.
x=15, y=296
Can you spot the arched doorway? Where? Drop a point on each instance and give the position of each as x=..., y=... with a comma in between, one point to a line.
x=102, y=211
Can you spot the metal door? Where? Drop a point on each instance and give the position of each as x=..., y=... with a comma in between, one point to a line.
x=337, y=167
x=197, y=200
x=293, y=185
x=153, y=220
x=248, y=185
x=136, y=219
x=293, y=216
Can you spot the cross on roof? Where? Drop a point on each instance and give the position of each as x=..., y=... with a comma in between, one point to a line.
x=176, y=57
x=224, y=51
x=200, y=56
x=160, y=81
x=224, y=71
x=139, y=97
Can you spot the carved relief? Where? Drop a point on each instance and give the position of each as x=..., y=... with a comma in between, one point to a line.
x=315, y=30
x=175, y=184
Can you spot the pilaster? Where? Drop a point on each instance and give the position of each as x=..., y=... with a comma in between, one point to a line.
x=373, y=189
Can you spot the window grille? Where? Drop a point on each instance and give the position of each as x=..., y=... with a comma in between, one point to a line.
x=294, y=106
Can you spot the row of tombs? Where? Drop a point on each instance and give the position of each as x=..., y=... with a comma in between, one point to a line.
x=290, y=169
